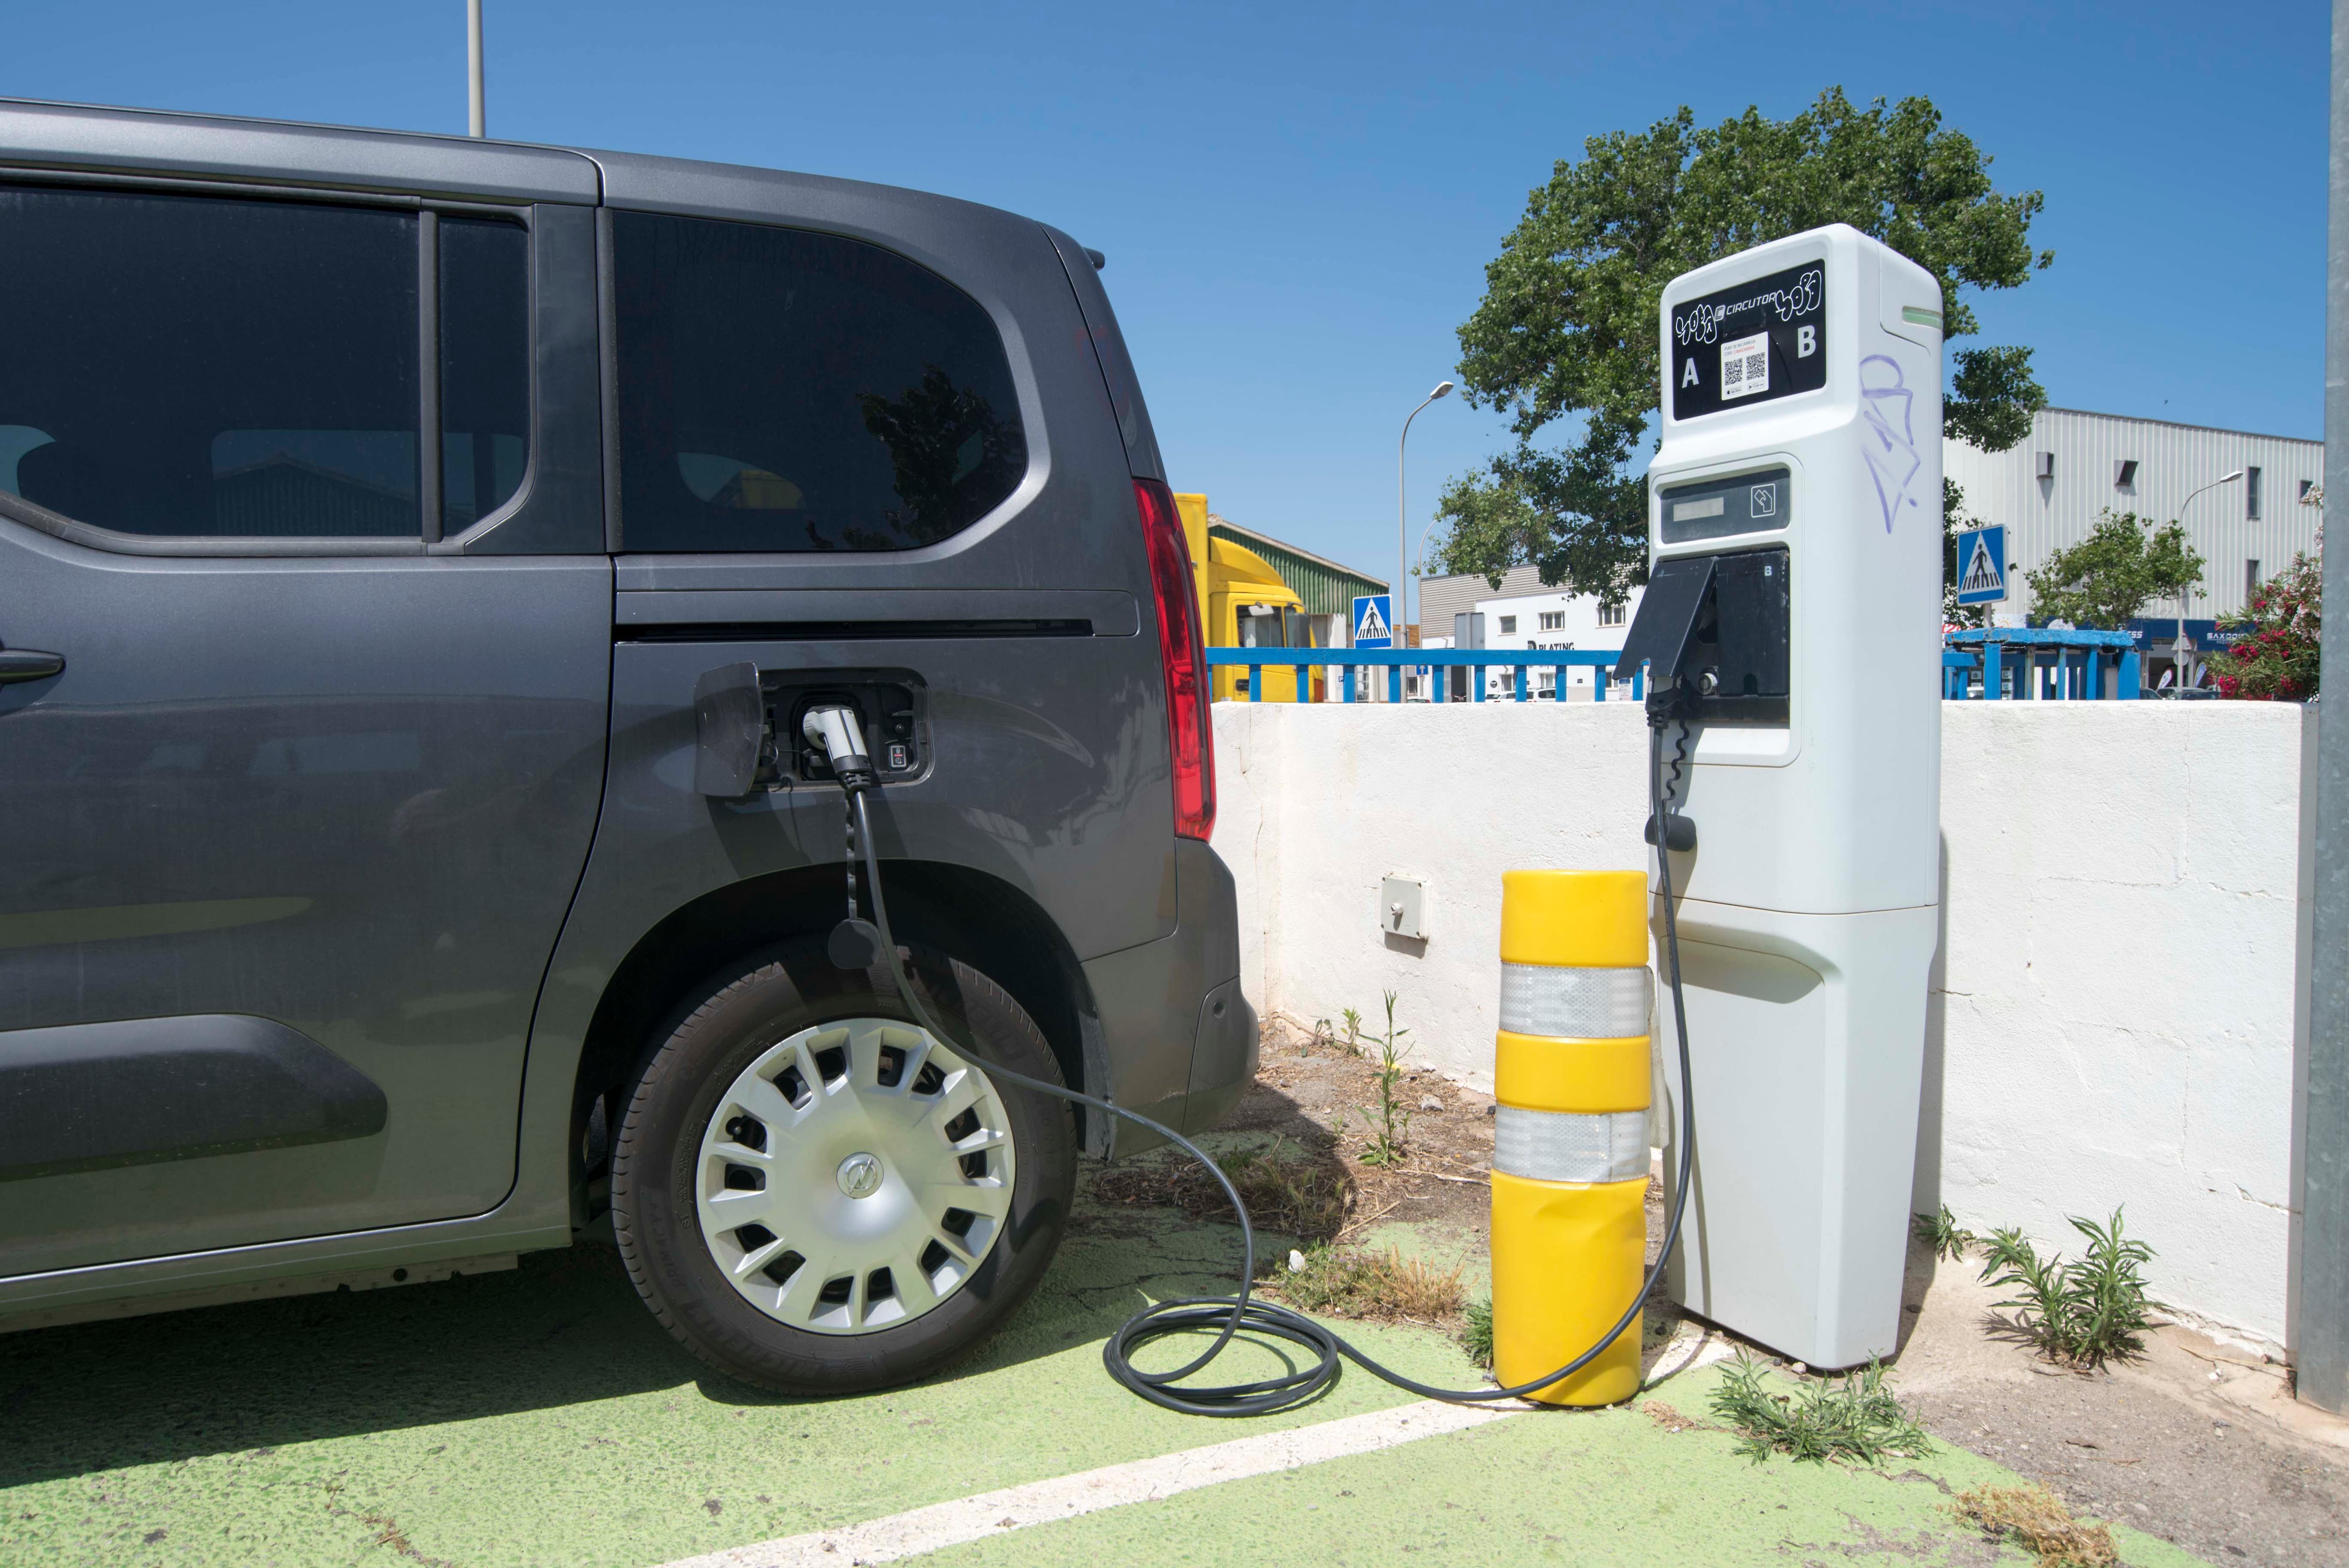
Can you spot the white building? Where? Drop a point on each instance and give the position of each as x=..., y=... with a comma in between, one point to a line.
x=1541, y=618
x=2048, y=490
x=1554, y=620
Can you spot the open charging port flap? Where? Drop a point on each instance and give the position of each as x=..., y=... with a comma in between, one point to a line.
x=1720, y=626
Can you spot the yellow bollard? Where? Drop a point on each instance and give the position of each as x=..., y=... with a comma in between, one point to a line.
x=1570, y=1134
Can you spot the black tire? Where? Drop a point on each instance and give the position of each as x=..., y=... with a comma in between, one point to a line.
x=658, y=1141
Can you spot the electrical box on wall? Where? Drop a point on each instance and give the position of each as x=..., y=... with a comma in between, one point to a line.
x=1402, y=908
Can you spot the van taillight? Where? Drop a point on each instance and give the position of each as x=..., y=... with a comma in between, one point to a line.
x=1182, y=655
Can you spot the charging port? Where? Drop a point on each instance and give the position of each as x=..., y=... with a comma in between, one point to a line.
x=890, y=711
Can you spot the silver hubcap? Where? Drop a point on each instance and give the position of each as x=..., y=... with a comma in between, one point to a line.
x=854, y=1176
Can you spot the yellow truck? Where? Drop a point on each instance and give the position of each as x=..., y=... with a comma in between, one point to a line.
x=1243, y=603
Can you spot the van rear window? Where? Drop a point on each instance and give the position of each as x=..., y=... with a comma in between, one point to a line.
x=784, y=390
x=206, y=368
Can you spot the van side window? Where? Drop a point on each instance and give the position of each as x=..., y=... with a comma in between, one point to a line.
x=782, y=390
x=484, y=367
x=208, y=367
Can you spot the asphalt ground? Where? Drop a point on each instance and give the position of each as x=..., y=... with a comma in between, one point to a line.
x=541, y=1416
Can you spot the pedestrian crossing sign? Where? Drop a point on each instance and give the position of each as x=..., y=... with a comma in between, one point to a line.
x=1374, y=622
x=1981, y=565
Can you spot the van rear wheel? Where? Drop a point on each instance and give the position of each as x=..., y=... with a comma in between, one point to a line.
x=817, y=1195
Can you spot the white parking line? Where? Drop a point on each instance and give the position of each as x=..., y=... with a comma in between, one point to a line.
x=1040, y=1503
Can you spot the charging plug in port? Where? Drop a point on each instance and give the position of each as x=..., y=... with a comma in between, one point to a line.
x=891, y=714
x=834, y=729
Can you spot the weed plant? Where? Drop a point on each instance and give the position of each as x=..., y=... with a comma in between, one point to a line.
x=2004, y=1249
x=1852, y=1418
x=1352, y=1017
x=2037, y=1518
x=1362, y=1282
x=1476, y=1334
x=2086, y=1312
x=1285, y=1188
x=1390, y=1121
x=1942, y=1232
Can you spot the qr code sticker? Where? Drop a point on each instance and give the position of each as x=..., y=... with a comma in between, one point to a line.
x=1745, y=367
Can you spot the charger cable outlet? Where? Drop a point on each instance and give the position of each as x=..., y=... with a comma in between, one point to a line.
x=855, y=943
x=1668, y=703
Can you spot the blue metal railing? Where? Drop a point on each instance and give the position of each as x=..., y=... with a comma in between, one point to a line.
x=2074, y=667
x=2027, y=663
x=1395, y=661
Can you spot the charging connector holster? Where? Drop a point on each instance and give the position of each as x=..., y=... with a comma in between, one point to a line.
x=1715, y=631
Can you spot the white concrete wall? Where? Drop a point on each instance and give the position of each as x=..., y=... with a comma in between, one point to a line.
x=2113, y=1017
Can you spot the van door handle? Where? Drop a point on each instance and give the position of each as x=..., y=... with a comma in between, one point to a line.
x=28, y=664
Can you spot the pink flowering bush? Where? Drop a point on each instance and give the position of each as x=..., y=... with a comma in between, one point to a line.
x=2278, y=661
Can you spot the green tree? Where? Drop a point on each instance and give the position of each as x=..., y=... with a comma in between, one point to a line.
x=2124, y=564
x=1566, y=330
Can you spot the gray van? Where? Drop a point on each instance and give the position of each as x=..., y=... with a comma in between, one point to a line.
x=416, y=556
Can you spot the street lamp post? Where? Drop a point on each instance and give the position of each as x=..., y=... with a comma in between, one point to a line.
x=477, y=115
x=1400, y=603
x=2186, y=591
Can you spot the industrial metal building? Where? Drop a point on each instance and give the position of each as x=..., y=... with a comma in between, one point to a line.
x=2050, y=488
x=1327, y=588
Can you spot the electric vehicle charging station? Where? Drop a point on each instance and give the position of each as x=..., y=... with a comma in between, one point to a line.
x=1793, y=619
x=1790, y=618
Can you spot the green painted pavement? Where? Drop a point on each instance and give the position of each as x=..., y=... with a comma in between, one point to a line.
x=1585, y=1488
x=542, y=1416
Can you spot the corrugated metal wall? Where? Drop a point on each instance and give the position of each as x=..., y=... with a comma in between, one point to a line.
x=1327, y=588
x=2041, y=515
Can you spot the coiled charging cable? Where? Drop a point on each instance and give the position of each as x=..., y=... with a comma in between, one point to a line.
x=1228, y=1314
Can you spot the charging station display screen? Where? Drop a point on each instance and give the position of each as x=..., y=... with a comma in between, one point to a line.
x=1717, y=509
x=1750, y=343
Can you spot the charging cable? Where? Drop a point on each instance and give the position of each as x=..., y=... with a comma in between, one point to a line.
x=836, y=730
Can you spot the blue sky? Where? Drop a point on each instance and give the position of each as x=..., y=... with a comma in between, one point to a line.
x=1297, y=203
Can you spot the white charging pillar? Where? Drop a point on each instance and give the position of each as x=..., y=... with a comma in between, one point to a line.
x=1802, y=450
